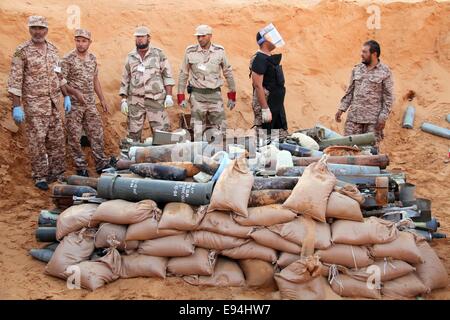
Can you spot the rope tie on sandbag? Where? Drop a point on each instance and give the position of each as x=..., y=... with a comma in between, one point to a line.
x=333, y=275
x=386, y=262
x=212, y=255
x=354, y=258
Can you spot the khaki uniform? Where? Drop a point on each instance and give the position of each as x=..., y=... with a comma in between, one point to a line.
x=143, y=82
x=369, y=97
x=80, y=74
x=35, y=77
x=205, y=68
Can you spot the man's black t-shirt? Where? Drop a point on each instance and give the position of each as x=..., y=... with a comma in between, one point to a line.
x=262, y=65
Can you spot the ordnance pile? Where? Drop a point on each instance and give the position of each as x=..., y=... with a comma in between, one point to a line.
x=310, y=227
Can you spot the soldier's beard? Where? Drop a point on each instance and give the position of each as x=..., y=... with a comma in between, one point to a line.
x=38, y=39
x=367, y=61
x=142, y=46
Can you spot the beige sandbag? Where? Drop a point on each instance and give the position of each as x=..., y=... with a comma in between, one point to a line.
x=216, y=241
x=295, y=231
x=172, y=246
x=351, y=191
x=75, y=218
x=232, y=189
x=343, y=207
x=181, y=216
x=390, y=269
x=403, y=248
x=311, y=193
x=270, y=239
x=305, y=141
x=125, y=212
x=266, y=216
x=226, y=274
x=258, y=273
x=432, y=271
x=223, y=223
x=286, y=259
x=73, y=249
x=108, y=231
x=148, y=230
x=201, y=263
x=141, y=265
x=251, y=250
x=346, y=255
x=372, y=231
x=408, y=286
x=347, y=286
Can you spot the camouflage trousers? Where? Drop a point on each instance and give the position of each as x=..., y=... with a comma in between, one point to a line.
x=207, y=109
x=85, y=117
x=46, y=144
x=138, y=109
x=359, y=128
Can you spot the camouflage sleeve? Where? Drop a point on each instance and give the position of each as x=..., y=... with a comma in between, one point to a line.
x=184, y=74
x=61, y=77
x=16, y=75
x=348, y=96
x=228, y=73
x=65, y=67
x=388, y=97
x=166, y=70
x=125, y=82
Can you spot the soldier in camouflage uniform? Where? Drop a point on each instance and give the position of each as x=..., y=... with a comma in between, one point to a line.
x=369, y=95
x=146, y=87
x=79, y=68
x=205, y=61
x=36, y=82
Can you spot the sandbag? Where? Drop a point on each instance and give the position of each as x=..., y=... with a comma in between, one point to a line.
x=372, y=231
x=432, y=271
x=251, y=250
x=125, y=212
x=403, y=248
x=311, y=193
x=408, y=286
x=75, y=218
x=73, y=249
x=172, y=246
x=258, y=273
x=109, y=231
x=390, y=269
x=201, y=263
x=305, y=141
x=295, y=231
x=286, y=259
x=266, y=216
x=181, y=216
x=148, y=230
x=346, y=255
x=347, y=286
x=343, y=207
x=216, y=241
x=232, y=189
x=226, y=274
x=352, y=191
x=270, y=239
x=223, y=223
x=141, y=265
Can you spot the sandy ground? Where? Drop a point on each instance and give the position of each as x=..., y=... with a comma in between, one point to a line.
x=323, y=43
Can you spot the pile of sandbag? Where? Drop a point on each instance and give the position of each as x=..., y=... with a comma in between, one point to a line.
x=316, y=245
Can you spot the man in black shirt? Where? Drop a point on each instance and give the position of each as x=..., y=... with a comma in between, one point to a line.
x=268, y=88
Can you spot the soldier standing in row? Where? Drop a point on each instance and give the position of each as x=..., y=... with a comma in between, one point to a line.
x=369, y=94
x=36, y=83
x=204, y=62
x=79, y=68
x=146, y=87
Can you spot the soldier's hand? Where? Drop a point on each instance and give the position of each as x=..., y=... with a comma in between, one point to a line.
x=79, y=97
x=105, y=106
x=124, y=106
x=338, y=115
x=168, y=102
x=18, y=114
x=380, y=125
x=181, y=99
x=231, y=99
x=266, y=115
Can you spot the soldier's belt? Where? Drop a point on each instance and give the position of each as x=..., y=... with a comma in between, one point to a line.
x=205, y=90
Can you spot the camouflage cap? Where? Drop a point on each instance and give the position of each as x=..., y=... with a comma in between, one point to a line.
x=83, y=33
x=141, y=31
x=37, y=21
x=203, y=30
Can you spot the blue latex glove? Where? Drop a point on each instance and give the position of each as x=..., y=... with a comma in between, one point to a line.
x=67, y=103
x=18, y=114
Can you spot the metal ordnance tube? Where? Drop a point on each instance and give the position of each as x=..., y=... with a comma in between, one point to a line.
x=117, y=187
x=365, y=139
x=337, y=169
x=82, y=181
x=436, y=130
x=43, y=255
x=448, y=117
x=171, y=152
x=46, y=234
x=159, y=171
x=69, y=190
x=381, y=160
x=408, y=117
x=281, y=183
x=47, y=218
x=299, y=151
x=329, y=134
